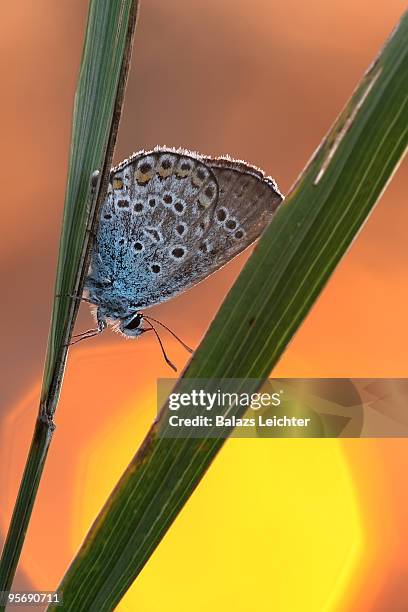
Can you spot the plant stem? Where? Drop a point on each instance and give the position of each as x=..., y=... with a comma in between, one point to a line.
x=22, y=511
x=58, y=345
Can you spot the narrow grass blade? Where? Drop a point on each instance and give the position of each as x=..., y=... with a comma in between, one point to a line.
x=98, y=104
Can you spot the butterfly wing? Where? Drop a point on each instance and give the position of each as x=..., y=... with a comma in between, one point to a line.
x=246, y=204
x=170, y=219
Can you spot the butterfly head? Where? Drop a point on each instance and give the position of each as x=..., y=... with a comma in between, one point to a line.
x=131, y=326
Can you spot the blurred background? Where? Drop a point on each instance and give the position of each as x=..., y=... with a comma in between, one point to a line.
x=281, y=525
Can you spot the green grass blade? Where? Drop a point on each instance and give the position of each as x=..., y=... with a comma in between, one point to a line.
x=280, y=282
x=94, y=129
x=98, y=104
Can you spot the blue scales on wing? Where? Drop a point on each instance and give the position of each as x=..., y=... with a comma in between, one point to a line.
x=171, y=218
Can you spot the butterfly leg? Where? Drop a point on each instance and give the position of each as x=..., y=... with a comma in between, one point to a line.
x=91, y=332
x=75, y=297
x=88, y=334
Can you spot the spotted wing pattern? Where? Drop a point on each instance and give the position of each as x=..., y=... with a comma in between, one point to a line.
x=171, y=218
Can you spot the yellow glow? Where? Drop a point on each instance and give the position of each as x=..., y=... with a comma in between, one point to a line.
x=273, y=526
x=98, y=470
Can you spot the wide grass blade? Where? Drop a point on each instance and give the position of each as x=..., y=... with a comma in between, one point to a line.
x=280, y=282
x=98, y=104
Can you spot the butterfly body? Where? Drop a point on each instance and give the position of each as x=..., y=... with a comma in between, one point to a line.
x=171, y=218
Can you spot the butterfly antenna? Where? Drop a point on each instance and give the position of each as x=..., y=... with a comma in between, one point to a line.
x=148, y=318
x=167, y=360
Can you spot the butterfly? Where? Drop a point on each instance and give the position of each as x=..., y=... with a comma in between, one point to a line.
x=171, y=217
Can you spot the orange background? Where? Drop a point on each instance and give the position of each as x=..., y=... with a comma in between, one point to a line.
x=276, y=524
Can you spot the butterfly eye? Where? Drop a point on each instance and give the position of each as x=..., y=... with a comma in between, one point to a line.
x=133, y=323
